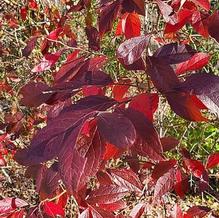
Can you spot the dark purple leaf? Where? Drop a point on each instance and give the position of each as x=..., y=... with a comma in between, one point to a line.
x=174, y=53
x=93, y=38
x=206, y=87
x=62, y=130
x=162, y=74
x=131, y=50
x=30, y=46
x=148, y=142
x=108, y=15
x=213, y=23
x=116, y=129
x=34, y=94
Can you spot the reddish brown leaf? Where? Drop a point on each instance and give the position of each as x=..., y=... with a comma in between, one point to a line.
x=164, y=184
x=162, y=167
x=197, y=211
x=107, y=194
x=34, y=94
x=127, y=178
x=148, y=143
x=137, y=6
x=169, y=143
x=62, y=131
x=213, y=160
x=174, y=53
x=161, y=74
x=93, y=38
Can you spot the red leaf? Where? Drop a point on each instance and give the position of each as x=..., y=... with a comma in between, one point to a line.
x=137, y=211
x=196, y=62
x=32, y=5
x=119, y=91
x=108, y=15
x=127, y=178
x=195, y=166
x=213, y=160
x=197, y=211
x=104, y=178
x=181, y=185
x=111, y=151
x=162, y=167
x=132, y=26
x=92, y=90
x=47, y=143
x=164, y=184
x=48, y=61
x=204, y=4
x=131, y=50
x=183, y=17
x=23, y=13
x=213, y=23
x=82, y=166
x=145, y=103
x=199, y=22
x=52, y=209
x=98, y=212
x=116, y=129
x=169, y=143
x=107, y=194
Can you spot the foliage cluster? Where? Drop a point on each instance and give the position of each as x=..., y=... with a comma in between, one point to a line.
x=91, y=105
